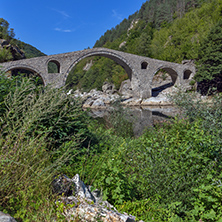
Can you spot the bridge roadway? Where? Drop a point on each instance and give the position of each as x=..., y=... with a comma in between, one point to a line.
x=140, y=69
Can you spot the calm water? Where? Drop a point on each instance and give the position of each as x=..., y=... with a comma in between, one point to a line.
x=142, y=117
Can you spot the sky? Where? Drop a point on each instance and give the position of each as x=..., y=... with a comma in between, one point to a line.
x=59, y=26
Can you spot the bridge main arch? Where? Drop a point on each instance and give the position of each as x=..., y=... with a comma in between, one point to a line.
x=115, y=57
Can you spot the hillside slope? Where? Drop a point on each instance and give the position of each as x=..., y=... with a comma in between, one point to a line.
x=12, y=48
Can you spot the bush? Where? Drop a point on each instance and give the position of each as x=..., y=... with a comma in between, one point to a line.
x=35, y=124
x=208, y=113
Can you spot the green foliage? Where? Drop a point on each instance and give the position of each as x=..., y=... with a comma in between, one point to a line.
x=156, y=12
x=26, y=167
x=208, y=115
x=171, y=173
x=158, y=172
x=182, y=39
x=150, y=210
x=61, y=122
x=210, y=55
x=5, y=55
x=42, y=130
x=207, y=203
x=105, y=169
x=30, y=51
x=5, y=32
x=7, y=84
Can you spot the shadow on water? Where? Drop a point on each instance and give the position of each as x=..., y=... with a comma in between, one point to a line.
x=141, y=118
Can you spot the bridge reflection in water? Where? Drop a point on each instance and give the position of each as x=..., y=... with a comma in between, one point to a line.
x=142, y=118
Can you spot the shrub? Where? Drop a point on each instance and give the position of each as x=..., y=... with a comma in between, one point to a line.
x=31, y=125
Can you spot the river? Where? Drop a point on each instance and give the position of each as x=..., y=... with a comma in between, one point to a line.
x=141, y=118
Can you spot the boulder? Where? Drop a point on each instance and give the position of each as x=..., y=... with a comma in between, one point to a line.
x=87, y=205
x=88, y=102
x=63, y=185
x=98, y=103
x=6, y=218
x=132, y=102
x=156, y=101
x=108, y=88
x=81, y=190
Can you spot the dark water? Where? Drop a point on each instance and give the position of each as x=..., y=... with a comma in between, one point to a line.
x=141, y=117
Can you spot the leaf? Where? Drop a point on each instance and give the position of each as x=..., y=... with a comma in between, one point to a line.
x=108, y=180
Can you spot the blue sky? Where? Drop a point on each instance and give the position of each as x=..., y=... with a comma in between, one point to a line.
x=58, y=26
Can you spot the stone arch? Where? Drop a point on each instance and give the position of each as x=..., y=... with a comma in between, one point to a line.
x=144, y=65
x=115, y=57
x=187, y=74
x=52, y=65
x=171, y=71
x=26, y=67
x=158, y=88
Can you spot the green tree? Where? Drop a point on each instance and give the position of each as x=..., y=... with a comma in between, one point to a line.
x=143, y=45
x=5, y=55
x=210, y=55
x=5, y=32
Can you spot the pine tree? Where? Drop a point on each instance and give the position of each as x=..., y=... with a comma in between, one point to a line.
x=210, y=55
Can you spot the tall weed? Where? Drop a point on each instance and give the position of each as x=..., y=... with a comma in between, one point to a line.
x=29, y=134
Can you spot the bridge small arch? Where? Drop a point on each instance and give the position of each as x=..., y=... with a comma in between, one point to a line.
x=163, y=78
x=187, y=74
x=144, y=65
x=13, y=70
x=53, y=66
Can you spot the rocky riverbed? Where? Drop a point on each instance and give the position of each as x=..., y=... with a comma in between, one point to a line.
x=162, y=87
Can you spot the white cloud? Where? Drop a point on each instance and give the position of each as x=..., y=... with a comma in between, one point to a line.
x=63, y=30
x=63, y=13
x=117, y=15
x=64, y=21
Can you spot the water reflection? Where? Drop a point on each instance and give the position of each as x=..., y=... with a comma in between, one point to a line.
x=141, y=118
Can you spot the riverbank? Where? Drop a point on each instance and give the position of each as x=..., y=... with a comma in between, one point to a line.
x=96, y=99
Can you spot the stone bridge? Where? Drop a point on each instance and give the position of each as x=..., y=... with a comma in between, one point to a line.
x=140, y=70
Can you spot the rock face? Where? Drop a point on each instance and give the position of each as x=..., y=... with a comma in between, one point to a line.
x=108, y=88
x=88, y=66
x=15, y=51
x=86, y=205
x=6, y=218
